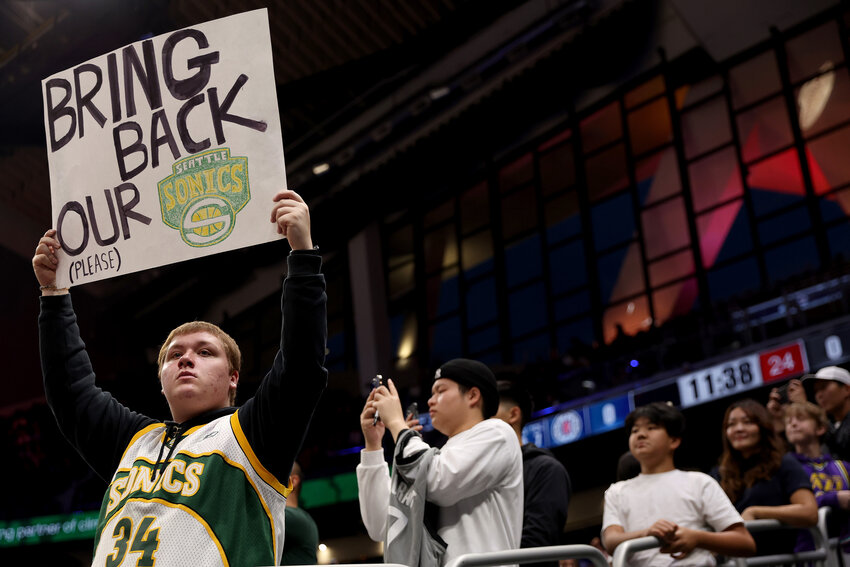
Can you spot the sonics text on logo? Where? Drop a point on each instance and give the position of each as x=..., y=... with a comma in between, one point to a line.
x=203, y=194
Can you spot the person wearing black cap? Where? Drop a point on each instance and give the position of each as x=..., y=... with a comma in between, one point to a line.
x=475, y=479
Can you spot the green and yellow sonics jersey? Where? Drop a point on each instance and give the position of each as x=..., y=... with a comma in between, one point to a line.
x=211, y=504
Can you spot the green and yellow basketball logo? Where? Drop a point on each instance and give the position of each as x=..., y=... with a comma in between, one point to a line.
x=203, y=194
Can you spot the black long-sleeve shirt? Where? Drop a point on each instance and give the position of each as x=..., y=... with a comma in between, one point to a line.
x=547, y=491
x=274, y=421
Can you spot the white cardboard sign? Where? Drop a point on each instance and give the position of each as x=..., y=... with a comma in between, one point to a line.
x=164, y=150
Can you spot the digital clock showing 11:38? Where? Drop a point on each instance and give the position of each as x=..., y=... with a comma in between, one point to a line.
x=720, y=381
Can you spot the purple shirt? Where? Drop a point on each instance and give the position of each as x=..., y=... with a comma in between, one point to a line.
x=827, y=476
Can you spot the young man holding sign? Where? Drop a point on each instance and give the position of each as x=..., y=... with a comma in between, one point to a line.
x=205, y=488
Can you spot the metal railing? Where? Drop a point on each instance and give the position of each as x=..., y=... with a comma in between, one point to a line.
x=822, y=555
x=512, y=557
x=631, y=546
x=531, y=555
x=832, y=545
x=817, y=557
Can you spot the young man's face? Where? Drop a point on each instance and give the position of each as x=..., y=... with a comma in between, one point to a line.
x=649, y=442
x=831, y=396
x=801, y=429
x=196, y=375
x=447, y=406
x=742, y=432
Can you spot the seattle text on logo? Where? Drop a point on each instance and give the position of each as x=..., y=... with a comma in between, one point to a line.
x=203, y=194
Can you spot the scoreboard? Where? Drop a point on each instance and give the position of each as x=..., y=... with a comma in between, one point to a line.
x=567, y=424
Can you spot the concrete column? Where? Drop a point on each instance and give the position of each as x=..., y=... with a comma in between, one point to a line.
x=368, y=292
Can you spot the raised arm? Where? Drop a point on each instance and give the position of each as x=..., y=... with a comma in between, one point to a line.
x=275, y=420
x=373, y=474
x=92, y=420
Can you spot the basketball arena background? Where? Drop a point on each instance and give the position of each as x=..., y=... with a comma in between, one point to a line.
x=612, y=201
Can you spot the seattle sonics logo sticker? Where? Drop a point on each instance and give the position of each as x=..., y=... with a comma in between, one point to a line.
x=203, y=194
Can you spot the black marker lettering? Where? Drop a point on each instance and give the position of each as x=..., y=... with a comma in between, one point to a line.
x=93, y=217
x=220, y=112
x=114, y=88
x=77, y=208
x=191, y=145
x=147, y=76
x=187, y=88
x=84, y=100
x=159, y=118
x=122, y=152
x=54, y=112
x=126, y=211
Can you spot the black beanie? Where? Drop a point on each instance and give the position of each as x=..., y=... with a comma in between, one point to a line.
x=472, y=373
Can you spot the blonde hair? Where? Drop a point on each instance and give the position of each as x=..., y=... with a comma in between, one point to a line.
x=231, y=349
x=807, y=410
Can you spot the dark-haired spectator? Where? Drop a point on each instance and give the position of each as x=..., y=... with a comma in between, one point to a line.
x=546, y=484
x=760, y=478
x=678, y=507
x=302, y=534
x=627, y=466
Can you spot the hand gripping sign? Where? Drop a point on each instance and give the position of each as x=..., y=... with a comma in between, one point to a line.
x=164, y=150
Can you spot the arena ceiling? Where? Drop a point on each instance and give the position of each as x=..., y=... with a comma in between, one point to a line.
x=333, y=60
x=340, y=67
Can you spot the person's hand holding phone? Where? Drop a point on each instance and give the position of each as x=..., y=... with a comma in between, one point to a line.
x=373, y=430
x=388, y=404
x=796, y=391
x=412, y=418
x=377, y=382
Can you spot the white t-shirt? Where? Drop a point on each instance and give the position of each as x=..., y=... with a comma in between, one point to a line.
x=690, y=499
x=476, y=480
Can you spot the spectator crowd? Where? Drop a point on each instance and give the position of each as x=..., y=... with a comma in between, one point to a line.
x=483, y=490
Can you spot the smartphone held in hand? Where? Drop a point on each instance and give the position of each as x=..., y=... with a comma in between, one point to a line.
x=377, y=382
x=413, y=411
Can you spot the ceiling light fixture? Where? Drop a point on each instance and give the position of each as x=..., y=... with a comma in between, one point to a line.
x=439, y=92
x=813, y=96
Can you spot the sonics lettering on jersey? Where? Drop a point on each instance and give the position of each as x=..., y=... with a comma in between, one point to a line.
x=178, y=477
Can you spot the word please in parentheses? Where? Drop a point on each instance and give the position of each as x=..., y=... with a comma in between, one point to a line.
x=95, y=263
